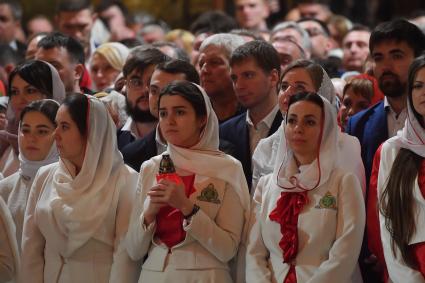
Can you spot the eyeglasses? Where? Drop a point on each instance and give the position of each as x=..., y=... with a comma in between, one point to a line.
x=135, y=83
x=312, y=32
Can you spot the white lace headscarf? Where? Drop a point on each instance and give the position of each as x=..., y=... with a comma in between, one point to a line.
x=286, y=173
x=264, y=157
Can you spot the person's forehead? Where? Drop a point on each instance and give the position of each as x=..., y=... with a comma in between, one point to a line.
x=310, y=24
x=286, y=47
x=161, y=77
x=357, y=35
x=387, y=46
x=59, y=53
x=248, y=2
x=77, y=17
x=213, y=51
x=5, y=11
x=247, y=64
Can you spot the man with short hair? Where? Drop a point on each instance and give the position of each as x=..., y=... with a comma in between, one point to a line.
x=67, y=55
x=252, y=14
x=10, y=24
x=137, y=73
x=393, y=46
x=214, y=67
x=289, y=51
x=75, y=18
x=138, y=151
x=319, y=36
x=293, y=31
x=355, y=47
x=255, y=72
x=314, y=9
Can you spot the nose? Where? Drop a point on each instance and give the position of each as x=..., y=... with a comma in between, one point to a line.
x=350, y=112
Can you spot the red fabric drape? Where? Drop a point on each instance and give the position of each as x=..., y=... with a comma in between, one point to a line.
x=169, y=220
x=286, y=213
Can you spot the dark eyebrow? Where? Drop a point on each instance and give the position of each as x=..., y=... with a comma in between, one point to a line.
x=397, y=50
x=310, y=116
x=42, y=127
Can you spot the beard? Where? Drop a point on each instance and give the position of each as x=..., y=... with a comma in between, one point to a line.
x=391, y=87
x=137, y=114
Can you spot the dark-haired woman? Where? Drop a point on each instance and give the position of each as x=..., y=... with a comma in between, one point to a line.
x=308, y=217
x=189, y=229
x=36, y=149
x=78, y=209
x=397, y=190
x=30, y=81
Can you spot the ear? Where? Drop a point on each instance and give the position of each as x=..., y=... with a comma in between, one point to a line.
x=203, y=122
x=274, y=78
x=79, y=71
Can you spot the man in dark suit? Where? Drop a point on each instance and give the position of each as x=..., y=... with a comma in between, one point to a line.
x=393, y=46
x=255, y=72
x=140, y=150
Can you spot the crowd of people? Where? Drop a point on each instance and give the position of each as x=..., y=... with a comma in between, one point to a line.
x=234, y=151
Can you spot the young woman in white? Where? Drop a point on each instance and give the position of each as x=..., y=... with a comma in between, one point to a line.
x=28, y=82
x=78, y=209
x=36, y=149
x=189, y=231
x=305, y=75
x=308, y=215
x=398, y=189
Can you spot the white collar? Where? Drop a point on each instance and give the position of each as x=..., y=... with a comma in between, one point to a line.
x=268, y=120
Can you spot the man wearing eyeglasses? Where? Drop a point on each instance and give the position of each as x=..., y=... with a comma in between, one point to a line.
x=319, y=36
x=137, y=73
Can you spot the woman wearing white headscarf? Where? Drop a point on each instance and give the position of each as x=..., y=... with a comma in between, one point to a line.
x=107, y=63
x=9, y=260
x=308, y=221
x=396, y=204
x=305, y=75
x=37, y=148
x=30, y=81
x=78, y=209
x=192, y=229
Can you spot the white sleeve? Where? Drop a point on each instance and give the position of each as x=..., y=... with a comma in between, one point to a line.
x=33, y=241
x=139, y=237
x=123, y=268
x=345, y=251
x=257, y=255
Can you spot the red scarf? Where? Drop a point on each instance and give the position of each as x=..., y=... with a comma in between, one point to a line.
x=286, y=213
x=169, y=220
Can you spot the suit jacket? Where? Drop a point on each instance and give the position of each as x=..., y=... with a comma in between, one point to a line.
x=212, y=237
x=124, y=138
x=328, y=241
x=370, y=127
x=140, y=150
x=236, y=132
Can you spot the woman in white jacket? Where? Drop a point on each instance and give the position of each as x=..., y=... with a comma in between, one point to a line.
x=308, y=215
x=189, y=229
x=78, y=209
x=36, y=149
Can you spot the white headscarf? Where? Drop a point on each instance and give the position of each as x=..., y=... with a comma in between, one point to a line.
x=285, y=172
x=28, y=168
x=58, y=94
x=81, y=203
x=412, y=136
x=264, y=157
x=205, y=159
